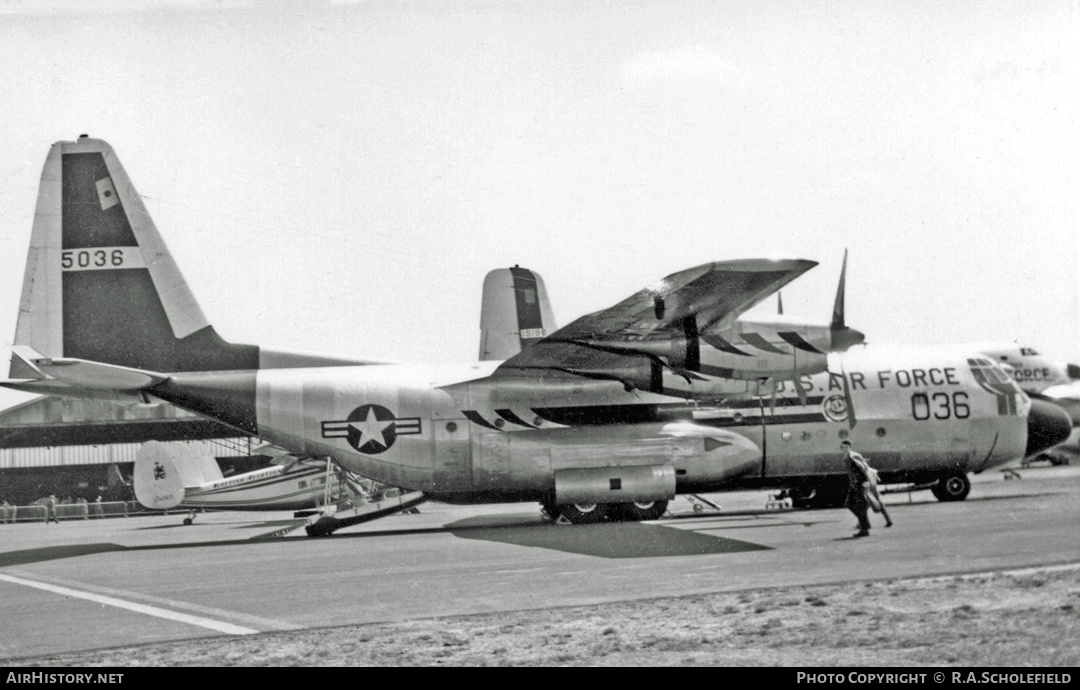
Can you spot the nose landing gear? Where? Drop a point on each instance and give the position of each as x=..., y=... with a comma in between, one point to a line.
x=952, y=487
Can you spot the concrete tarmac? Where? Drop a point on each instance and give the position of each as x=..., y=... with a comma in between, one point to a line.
x=104, y=583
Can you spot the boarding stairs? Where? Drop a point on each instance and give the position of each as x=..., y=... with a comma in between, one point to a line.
x=361, y=500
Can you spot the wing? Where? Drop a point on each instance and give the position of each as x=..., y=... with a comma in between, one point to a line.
x=660, y=320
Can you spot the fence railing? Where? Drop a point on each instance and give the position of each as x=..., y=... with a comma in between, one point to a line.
x=76, y=511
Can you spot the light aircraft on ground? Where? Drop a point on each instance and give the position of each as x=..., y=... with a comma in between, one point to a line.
x=189, y=477
x=666, y=392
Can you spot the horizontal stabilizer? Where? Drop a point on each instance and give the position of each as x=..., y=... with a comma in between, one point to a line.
x=97, y=376
x=22, y=364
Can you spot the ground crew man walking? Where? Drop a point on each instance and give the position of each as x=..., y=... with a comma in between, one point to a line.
x=862, y=490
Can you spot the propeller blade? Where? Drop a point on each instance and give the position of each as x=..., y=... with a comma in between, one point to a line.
x=838, y=305
x=847, y=398
x=799, y=390
x=842, y=336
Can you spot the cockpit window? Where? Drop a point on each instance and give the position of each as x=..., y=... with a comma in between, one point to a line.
x=1028, y=352
x=991, y=376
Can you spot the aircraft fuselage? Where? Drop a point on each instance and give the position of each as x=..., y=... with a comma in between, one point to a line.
x=271, y=488
x=462, y=434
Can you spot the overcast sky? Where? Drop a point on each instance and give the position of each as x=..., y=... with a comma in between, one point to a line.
x=341, y=177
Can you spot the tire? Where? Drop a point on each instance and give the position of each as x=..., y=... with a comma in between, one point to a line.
x=584, y=513
x=188, y=521
x=952, y=487
x=636, y=512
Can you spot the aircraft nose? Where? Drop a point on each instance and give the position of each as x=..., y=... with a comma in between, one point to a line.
x=1048, y=425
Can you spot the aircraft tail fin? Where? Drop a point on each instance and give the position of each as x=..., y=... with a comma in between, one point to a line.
x=514, y=313
x=100, y=283
x=163, y=475
x=158, y=482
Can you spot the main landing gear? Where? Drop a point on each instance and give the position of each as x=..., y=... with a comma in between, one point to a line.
x=589, y=513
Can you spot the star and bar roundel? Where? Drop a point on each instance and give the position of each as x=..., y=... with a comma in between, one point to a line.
x=371, y=429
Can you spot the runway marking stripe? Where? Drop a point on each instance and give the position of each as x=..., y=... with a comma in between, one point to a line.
x=257, y=621
x=219, y=626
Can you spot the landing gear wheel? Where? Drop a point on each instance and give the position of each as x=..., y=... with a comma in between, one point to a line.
x=953, y=487
x=188, y=521
x=637, y=511
x=583, y=513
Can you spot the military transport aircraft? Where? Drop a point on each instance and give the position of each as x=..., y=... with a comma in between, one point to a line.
x=666, y=392
x=1032, y=371
x=515, y=302
x=1047, y=379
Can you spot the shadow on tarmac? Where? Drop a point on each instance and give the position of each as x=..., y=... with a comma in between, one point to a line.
x=613, y=540
x=52, y=553
x=616, y=540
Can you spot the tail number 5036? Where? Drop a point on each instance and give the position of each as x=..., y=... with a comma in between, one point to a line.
x=91, y=258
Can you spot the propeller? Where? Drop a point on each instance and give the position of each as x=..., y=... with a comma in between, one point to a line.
x=799, y=391
x=842, y=336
